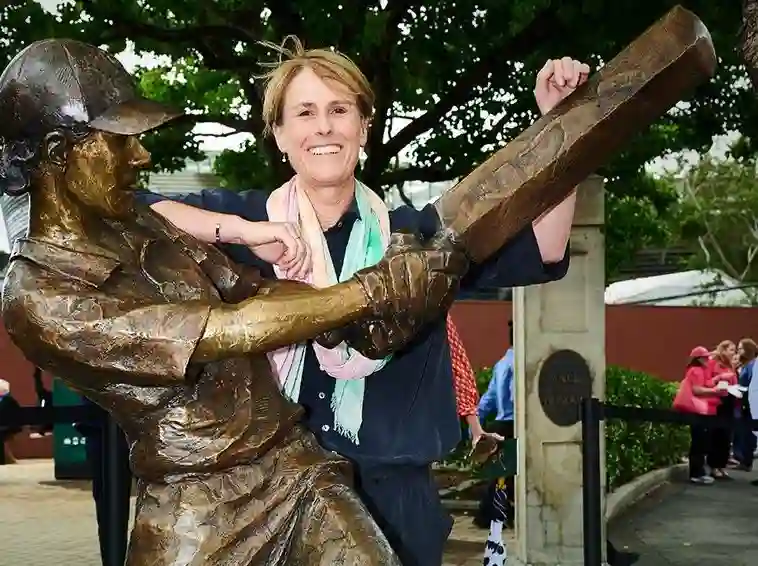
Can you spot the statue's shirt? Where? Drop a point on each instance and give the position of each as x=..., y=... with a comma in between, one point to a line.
x=119, y=318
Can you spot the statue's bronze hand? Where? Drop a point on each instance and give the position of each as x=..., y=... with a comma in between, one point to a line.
x=410, y=287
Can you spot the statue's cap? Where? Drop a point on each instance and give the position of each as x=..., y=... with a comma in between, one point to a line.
x=62, y=82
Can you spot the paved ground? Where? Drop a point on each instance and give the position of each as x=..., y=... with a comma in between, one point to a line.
x=688, y=525
x=47, y=523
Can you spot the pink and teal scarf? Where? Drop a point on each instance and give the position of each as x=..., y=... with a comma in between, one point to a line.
x=368, y=241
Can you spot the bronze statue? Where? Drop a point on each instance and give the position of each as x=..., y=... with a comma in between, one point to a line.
x=540, y=167
x=169, y=336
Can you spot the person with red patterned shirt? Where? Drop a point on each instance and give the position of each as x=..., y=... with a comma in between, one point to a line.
x=464, y=383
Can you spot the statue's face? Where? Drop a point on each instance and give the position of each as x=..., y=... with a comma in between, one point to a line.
x=101, y=171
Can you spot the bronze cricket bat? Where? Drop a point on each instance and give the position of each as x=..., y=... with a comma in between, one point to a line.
x=540, y=168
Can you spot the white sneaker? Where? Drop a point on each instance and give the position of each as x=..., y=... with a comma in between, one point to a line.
x=703, y=480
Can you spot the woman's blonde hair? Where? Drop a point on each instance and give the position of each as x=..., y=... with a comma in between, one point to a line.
x=721, y=354
x=326, y=63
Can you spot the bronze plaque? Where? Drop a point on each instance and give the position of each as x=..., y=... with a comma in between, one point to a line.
x=565, y=379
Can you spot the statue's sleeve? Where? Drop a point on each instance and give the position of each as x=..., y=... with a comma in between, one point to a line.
x=517, y=264
x=80, y=332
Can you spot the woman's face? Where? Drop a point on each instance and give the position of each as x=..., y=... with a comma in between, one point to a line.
x=730, y=351
x=322, y=130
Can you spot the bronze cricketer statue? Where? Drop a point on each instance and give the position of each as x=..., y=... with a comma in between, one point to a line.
x=169, y=336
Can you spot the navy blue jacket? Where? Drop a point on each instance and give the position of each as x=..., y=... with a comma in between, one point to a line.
x=409, y=412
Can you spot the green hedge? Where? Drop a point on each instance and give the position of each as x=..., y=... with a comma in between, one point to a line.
x=632, y=449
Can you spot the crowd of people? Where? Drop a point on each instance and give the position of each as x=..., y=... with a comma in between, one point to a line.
x=718, y=383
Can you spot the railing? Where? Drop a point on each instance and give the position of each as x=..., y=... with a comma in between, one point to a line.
x=593, y=412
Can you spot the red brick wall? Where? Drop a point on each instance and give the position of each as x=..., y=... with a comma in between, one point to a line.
x=651, y=339
x=655, y=340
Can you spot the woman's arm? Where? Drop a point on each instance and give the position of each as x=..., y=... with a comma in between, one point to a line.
x=701, y=385
x=701, y=391
x=277, y=243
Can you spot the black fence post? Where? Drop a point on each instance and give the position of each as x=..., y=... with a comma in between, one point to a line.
x=591, y=494
x=113, y=475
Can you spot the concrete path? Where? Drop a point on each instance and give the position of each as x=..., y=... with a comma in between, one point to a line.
x=44, y=522
x=689, y=525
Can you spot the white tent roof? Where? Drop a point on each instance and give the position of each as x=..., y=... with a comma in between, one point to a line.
x=687, y=288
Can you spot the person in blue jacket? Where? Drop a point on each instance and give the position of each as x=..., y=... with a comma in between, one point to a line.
x=498, y=400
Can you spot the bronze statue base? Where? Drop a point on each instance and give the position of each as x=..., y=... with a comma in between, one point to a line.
x=292, y=506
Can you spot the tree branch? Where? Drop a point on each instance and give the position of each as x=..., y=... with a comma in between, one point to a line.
x=224, y=135
x=545, y=25
x=187, y=34
x=206, y=38
x=378, y=68
x=749, y=39
x=285, y=20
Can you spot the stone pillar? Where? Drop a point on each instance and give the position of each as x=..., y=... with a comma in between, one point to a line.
x=559, y=335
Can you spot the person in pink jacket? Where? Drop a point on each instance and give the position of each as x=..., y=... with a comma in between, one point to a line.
x=693, y=396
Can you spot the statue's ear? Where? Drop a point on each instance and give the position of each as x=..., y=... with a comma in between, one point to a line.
x=55, y=147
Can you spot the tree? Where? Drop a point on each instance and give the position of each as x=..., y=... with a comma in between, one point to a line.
x=453, y=79
x=719, y=214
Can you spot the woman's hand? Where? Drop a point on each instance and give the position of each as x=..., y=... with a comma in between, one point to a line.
x=477, y=432
x=557, y=79
x=280, y=244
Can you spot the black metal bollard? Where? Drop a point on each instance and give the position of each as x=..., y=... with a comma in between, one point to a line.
x=592, y=414
x=115, y=532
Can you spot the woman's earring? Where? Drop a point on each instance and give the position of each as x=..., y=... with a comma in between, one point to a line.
x=284, y=157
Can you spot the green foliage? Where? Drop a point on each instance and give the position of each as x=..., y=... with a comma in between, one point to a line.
x=483, y=377
x=718, y=215
x=637, y=221
x=459, y=76
x=633, y=449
